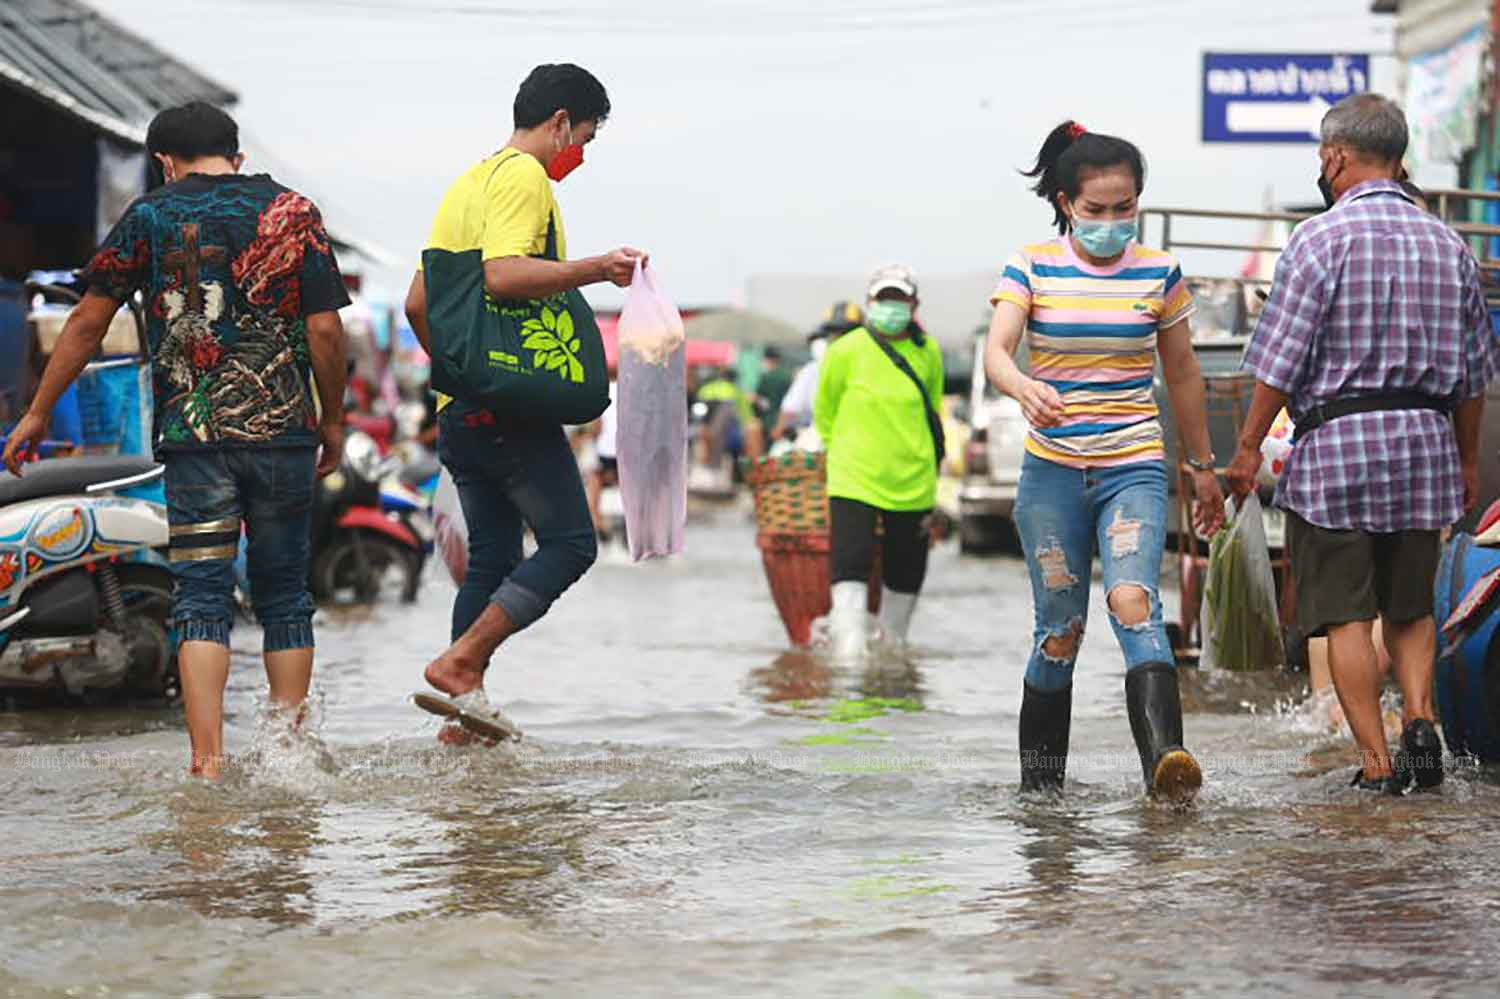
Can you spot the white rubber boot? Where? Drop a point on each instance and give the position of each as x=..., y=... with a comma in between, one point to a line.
x=849, y=622
x=895, y=616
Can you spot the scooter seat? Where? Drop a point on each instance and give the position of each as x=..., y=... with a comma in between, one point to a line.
x=61, y=476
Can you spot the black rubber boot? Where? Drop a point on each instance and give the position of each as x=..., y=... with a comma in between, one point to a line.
x=1423, y=757
x=1046, y=718
x=1155, y=707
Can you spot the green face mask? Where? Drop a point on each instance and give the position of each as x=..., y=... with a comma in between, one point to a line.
x=889, y=318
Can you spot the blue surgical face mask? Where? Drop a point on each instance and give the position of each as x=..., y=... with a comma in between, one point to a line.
x=1104, y=239
x=889, y=317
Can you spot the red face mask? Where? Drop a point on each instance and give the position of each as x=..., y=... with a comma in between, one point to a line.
x=565, y=162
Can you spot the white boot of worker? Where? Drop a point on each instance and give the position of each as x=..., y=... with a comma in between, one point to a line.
x=895, y=616
x=849, y=622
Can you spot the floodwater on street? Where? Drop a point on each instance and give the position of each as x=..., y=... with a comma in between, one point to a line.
x=696, y=811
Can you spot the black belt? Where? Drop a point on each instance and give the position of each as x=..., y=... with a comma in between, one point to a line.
x=1335, y=408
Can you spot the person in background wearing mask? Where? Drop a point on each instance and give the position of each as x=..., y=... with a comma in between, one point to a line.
x=242, y=294
x=512, y=473
x=1377, y=337
x=797, y=406
x=878, y=390
x=1099, y=310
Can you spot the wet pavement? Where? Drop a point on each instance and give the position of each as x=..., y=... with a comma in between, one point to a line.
x=697, y=811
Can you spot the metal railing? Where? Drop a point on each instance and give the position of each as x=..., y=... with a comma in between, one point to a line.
x=1445, y=203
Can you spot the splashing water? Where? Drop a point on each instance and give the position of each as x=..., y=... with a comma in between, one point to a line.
x=286, y=751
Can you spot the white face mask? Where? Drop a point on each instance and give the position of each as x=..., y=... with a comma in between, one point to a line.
x=819, y=348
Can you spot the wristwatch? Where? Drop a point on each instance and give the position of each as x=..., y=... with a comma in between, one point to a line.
x=1200, y=464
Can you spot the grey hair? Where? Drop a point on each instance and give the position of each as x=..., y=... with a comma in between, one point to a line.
x=1368, y=124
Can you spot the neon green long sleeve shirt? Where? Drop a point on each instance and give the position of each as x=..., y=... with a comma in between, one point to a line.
x=872, y=421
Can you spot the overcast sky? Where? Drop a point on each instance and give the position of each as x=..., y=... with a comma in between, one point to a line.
x=821, y=136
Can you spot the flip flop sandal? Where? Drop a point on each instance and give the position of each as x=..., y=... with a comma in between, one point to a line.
x=474, y=713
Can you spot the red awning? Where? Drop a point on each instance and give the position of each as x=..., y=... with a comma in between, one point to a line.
x=700, y=353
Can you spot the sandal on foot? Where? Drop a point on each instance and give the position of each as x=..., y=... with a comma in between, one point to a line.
x=472, y=710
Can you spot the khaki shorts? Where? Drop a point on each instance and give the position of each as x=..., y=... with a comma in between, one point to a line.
x=1344, y=576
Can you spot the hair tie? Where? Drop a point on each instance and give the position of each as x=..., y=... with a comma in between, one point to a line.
x=1075, y=130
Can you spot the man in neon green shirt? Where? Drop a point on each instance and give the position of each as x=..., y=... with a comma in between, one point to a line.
x=871, y=410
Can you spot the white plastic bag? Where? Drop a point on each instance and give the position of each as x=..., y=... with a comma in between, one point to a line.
x=1276, y=449
x=1240, y=625
x=652, y=430
x=450, y=530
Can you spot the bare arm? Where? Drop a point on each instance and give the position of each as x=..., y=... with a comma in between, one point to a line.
x=1184, y=380
x=80, y=340
x=532, y=278
x=1265, y=403
x=416, y=311
x=325, y=348
x=1006, y=326
x=1039, y=401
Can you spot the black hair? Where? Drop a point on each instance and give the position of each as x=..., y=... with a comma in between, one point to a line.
x=193, y=131
x=560, y=86
x=1067, y=152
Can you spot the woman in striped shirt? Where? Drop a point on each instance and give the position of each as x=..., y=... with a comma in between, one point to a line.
x=1098, y=309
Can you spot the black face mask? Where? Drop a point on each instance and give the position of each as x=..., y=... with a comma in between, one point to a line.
x=1325, y=188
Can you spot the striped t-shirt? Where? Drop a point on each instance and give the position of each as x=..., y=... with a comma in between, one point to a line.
x=1092, y=337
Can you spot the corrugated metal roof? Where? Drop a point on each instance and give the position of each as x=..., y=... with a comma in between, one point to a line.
x=86, y=65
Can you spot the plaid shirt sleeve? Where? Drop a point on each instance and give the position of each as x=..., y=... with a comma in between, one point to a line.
x=1282, y=345
x=1481, y=345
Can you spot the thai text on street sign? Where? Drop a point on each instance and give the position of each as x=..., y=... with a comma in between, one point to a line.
x=1276, y=97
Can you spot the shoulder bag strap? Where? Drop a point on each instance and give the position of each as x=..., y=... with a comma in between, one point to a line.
x=934, y=422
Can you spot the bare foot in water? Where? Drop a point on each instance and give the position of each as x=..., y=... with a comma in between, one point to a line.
x=453, y=676
x=454, y=734
x=207, y=767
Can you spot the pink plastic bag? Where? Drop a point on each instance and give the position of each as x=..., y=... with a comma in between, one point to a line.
x=653, y=432
x=451, y=531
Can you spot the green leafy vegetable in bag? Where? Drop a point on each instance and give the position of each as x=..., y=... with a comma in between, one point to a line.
x=1240, y=625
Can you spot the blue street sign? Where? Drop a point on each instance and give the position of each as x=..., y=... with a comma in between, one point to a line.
x=1271, y=97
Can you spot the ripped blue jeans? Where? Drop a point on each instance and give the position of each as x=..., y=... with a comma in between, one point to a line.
x=1064, y=515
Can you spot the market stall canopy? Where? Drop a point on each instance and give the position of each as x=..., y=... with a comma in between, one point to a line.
x=94, y=69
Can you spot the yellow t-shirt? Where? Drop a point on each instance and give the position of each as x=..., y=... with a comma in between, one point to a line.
x=500, y=206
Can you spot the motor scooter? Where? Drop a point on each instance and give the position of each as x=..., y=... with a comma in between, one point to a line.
x=359, y=548
x=85, y=588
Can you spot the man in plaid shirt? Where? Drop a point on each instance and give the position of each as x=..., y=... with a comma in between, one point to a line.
x=1377, y=335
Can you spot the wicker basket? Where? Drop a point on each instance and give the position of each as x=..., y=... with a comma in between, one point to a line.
x=791, y=516
x=790, y=493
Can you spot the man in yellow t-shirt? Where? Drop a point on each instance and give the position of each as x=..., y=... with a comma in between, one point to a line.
x=512, y=473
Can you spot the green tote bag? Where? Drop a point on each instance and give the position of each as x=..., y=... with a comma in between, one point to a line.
x=538, y=360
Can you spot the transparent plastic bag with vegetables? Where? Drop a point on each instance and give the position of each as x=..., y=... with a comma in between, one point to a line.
x=653, y=427
x=1240, y=624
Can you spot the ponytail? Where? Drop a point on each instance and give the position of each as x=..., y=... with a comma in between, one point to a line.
x=1070, y=149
